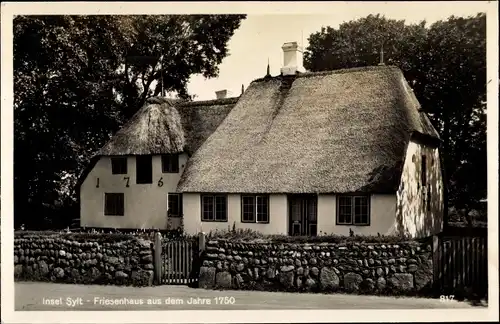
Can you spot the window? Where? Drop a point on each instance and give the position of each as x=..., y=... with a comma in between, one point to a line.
x=170, y=163
x=344, y=214
x=213, y=208
x=428, y=199
x=144, y=169
x=255, y=209
x=119, y=165
x=353, y=210
x=114, y=204
x=248, y=212
x=174, y=205
x=424, y=171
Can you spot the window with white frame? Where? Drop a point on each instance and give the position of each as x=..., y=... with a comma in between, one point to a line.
x=353, y=210
x=255, y=209
x=214, y=208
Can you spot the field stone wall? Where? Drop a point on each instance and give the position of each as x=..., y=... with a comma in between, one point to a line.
x=366, y=268
x=83, y=259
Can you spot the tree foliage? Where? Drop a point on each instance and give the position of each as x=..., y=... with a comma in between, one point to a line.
x=445, y=63
x=78, y=78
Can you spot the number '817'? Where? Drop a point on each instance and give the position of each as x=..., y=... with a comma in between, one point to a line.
x=446, y=298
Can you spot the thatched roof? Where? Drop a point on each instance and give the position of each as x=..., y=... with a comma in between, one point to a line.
x=165, y=125
x=201, y=118
x=329, y=132
x=156, y=128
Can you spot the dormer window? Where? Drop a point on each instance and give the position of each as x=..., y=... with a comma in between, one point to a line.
x=170, y=163
x=119, y=165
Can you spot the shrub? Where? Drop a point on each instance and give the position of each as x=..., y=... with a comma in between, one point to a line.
x=79, y=237
x=252, y=235
x=108, y=235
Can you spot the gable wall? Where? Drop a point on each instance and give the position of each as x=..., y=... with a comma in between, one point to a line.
x=145, y=204
x=414, y=219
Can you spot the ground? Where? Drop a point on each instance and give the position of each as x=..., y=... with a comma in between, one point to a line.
x=29, y=295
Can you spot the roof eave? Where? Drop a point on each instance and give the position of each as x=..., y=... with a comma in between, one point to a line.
x=426, y=139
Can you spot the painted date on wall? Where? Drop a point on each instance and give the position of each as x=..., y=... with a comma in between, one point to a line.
x=127, y=182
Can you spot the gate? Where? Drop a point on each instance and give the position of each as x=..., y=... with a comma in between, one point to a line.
x=177, y=261
x=462, y=266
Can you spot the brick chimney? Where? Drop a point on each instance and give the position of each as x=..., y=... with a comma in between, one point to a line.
x=292, y=59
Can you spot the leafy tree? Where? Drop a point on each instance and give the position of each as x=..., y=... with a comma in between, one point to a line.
x=445, y=64
x=455, y=95
x=78, y=78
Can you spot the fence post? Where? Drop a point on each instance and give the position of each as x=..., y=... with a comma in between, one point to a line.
x=201, y=243
x=158, y=259
x=436, y=267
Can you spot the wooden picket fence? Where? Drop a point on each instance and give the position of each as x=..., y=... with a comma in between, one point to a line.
x=461, y=265
x=177, y=262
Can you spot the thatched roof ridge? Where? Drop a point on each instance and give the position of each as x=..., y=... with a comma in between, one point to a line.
x=330, y=72
x=155, y=129
x=214, y=102
x=328, y=132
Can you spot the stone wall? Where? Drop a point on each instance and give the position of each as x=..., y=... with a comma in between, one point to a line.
x=370, y=268
x=83, y=259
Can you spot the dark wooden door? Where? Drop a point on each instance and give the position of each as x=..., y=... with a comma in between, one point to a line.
x=303, y=215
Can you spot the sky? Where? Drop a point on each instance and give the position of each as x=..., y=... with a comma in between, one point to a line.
x=261, y=36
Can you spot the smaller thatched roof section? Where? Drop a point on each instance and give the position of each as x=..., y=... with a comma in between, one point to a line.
x=155, y=129
x=163, y=126
x=201, y=118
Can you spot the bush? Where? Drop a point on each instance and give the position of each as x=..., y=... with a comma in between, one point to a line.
x=252, y=235
x=108, y=235
x=79, y=237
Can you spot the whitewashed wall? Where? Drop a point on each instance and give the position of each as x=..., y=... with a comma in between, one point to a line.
x=382, y=216
x=412, y=214
x=278, y=212
x=145, y=204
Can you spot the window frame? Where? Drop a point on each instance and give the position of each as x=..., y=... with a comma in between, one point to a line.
x=214, y=208
x=122, y=159
x=172, y=167
x=107, y=206
x=255, y=212
x=352, y=198
x=179, y=204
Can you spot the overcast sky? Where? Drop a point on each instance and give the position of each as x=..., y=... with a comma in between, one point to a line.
x=260, y=37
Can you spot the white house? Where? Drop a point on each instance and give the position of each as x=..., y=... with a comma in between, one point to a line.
x=300, y=154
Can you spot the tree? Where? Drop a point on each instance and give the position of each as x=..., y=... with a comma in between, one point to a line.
x=76, y=83
x=454, y=94
x=445, y=64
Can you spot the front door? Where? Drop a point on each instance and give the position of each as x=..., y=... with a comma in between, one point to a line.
x=303, y=215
